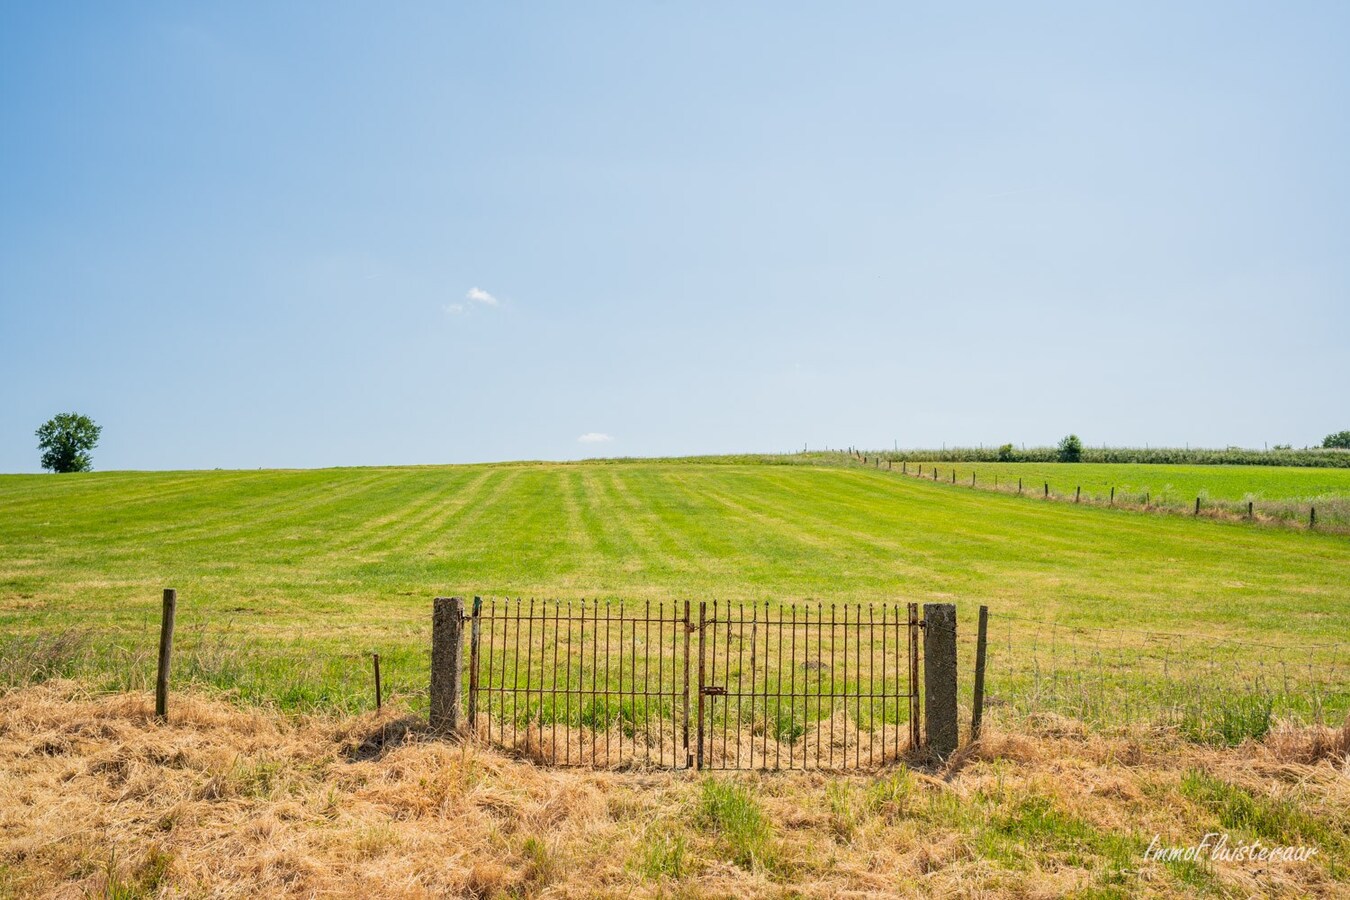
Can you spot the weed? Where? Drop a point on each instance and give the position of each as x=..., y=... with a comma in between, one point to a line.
x=734, y=813
x=1229, y=721
x=845, y=811
x=541, y=865
x=662, y=854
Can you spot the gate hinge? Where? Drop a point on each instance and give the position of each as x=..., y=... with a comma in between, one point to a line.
x=715, y=690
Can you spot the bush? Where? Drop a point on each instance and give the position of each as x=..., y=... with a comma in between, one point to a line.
x=1070, y=449
x=1005, y=453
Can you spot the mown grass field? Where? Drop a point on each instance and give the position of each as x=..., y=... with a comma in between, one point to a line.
x=287, y=579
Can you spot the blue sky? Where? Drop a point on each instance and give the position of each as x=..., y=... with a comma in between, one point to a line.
x=244, y=235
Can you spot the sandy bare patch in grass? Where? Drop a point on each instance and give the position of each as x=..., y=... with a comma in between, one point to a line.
x=96, y=799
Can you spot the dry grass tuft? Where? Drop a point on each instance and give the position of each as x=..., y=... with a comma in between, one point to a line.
x=96, y=799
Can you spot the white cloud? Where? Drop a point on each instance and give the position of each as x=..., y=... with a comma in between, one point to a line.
x=478, y=295
x=595, y=437
x=455, y=309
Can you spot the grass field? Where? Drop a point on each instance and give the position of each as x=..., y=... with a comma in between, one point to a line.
x=288, y=578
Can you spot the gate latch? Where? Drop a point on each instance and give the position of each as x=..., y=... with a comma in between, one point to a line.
x=715, y=691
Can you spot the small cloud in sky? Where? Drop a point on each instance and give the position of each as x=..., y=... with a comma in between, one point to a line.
x=595, y=437
x=478, y=295
x=455, y=309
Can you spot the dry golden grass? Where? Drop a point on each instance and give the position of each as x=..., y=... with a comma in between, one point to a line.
x=98, y=800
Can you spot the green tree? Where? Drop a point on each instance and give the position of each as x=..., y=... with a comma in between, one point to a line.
x=1339, y=440
x=66, y=441
x=1070, y=449
x=1005, y=453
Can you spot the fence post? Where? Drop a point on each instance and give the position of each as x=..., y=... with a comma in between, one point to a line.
x=447, y=649
x=939, y=678
x=1197, y=506
x=1047, y=490
x=977, y=708
x=1113, y=496
x=902, y=467
x=1312, y=517
x=1077, y=493
x=165, y=651
x=1249, y=509
x=1019, y=485
x=379, y=698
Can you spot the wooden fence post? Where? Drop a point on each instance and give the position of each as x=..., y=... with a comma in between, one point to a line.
x=939, y=678
x=1113, y=495
x=972, y=479
x=1249, y=509
x=379, y=698
x=977, y=708
x=1197, y=506
x=165, y=653
x=1312, y=517
x=1019, y=485
x=447, y=649
x=1047, y=490
x=1077, y=493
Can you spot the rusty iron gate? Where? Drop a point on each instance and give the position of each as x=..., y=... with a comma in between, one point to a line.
x=718, y=686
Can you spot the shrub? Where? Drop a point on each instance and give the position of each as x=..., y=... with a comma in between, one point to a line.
x=1005, y=453
x=1070, y=449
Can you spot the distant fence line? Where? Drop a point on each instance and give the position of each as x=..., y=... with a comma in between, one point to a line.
x=1332, y=514
x=1308, y=457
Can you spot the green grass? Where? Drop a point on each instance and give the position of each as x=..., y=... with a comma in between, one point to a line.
x=1279, y=821
x=732, y=811
x=288, y=579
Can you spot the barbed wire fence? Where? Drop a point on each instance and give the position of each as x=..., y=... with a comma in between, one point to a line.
x=1213, y=690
